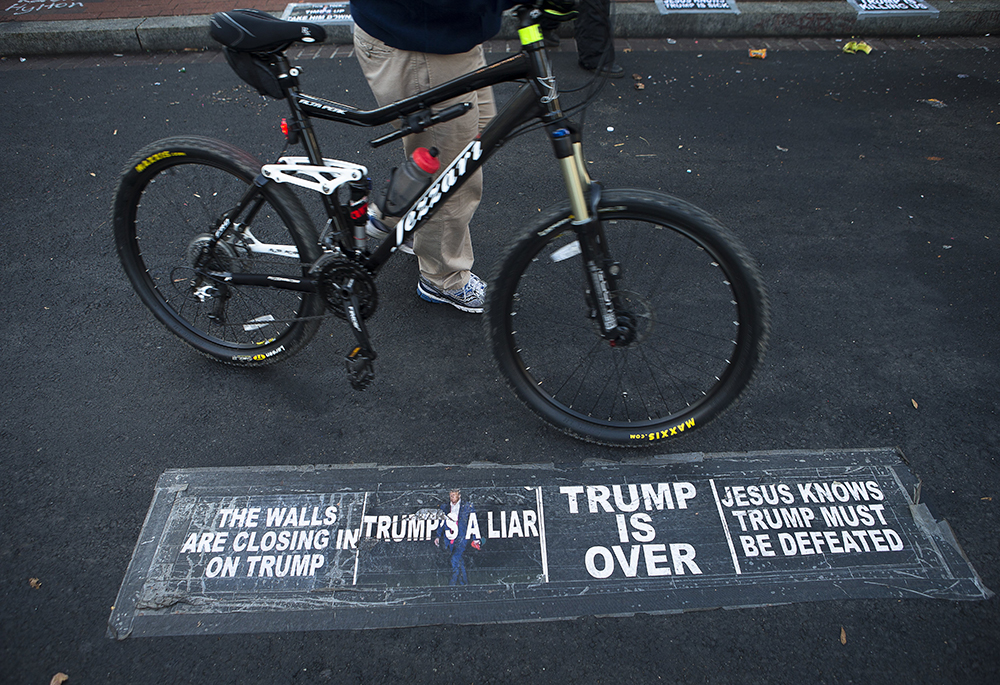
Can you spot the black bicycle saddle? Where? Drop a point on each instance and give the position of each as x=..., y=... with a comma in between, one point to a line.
x=256, y=31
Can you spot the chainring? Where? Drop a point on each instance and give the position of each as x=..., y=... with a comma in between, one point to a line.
x=334, y=273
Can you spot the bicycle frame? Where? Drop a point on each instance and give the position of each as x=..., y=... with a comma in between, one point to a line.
x=537, y=99
x=224, y=253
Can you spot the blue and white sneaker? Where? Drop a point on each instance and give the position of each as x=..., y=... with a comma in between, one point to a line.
x=469, y=298
x=376, y=229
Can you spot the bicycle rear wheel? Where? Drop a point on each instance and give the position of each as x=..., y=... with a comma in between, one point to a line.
x=172, y=199
x=696, y=299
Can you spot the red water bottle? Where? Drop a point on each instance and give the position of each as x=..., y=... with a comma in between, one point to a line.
x=408, y=181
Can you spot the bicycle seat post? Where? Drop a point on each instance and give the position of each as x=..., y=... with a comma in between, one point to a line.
x=303, y=130
x=300, y=121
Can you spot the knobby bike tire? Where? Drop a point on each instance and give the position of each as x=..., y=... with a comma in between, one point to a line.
x=172, y=197
x=696, y=295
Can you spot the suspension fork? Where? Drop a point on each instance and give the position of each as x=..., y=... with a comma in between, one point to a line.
x=600, y=269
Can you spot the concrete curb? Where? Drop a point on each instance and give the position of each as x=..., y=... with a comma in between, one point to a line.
x=633, y=20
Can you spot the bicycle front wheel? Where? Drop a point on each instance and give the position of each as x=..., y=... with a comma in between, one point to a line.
x=692, y=296
x=171, y=202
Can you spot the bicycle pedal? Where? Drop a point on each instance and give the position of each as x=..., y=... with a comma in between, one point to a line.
x=360, y=369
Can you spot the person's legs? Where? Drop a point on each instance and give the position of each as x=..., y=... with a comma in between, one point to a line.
x=594, y=42
x=443, y=245
x=458, y=574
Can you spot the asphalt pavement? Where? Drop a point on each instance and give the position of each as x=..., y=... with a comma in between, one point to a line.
x=864, y=184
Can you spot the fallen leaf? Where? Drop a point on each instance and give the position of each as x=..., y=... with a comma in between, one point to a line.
x=59, y=679
x=35, y=583
x=843, y=636
x=856, y=46
x=915, y=406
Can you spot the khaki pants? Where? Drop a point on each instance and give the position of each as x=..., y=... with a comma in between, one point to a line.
x=443, y=245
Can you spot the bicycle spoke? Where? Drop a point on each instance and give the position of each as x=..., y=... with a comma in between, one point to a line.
x=674, y=298
x=168, y=210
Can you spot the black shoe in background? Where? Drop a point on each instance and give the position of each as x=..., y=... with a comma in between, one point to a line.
x=610, y=71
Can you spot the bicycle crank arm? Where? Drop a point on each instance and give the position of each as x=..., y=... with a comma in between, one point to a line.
x=360, y=370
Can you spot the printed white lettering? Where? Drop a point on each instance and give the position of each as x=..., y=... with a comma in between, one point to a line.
x=607, y=564
x=268, y=540
x=656, y=555
x=351, y=538
x=759, y=545
x=445, y=182
x=598, y=494
x=514, y=526
x=530, y=519
x=214, y=567
x=600, y=562
x=629, y=566
x=829, y=542
x=633, y=502
x=644, y=531
x=330, y=516
x=572, y=491
x=472, y=529
x=622, y=528
x=274, y=517
x=657, y=497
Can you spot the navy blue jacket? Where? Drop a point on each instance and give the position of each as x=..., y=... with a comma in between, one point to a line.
x=464, y=510
x=442, y=27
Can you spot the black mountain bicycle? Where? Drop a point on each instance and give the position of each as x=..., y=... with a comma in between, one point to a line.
x=622, y=317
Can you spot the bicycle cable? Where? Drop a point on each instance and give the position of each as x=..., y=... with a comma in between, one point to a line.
x=596, y=84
